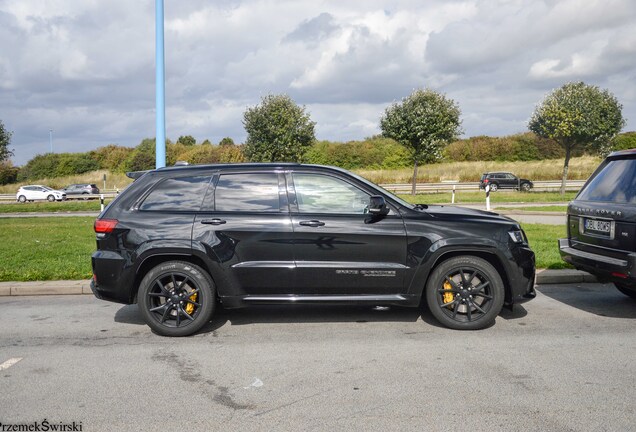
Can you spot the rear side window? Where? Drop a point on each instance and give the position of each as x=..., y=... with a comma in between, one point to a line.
x=177, y=194
x=616, y=182
x=249, y=192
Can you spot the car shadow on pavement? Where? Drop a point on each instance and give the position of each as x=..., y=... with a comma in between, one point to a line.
x=599, y=299
x=268, y=314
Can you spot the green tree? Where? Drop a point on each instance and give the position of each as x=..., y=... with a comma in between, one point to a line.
x=227, y=141
x=278, y=130
x=424, y=123
x=187, y=140
x=5, y=140
x=578, y=114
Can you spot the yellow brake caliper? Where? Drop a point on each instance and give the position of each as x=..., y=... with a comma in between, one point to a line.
x=448, y=296
x=190, y=307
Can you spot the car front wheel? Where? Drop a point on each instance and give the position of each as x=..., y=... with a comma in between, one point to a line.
x=176, y=298
x=50, y=198
x=525, y=187
x=465, y=293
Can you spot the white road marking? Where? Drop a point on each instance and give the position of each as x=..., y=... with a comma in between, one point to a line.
x=9, y=363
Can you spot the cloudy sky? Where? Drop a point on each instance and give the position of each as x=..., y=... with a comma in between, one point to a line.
x=86, y=68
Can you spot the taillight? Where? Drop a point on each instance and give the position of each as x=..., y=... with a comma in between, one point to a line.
x=105, y=226
x=485, y=180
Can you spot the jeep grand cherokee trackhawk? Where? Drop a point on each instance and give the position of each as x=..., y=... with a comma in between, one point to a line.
x=180, y=238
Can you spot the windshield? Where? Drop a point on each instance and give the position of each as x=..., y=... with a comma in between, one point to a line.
x=613, y=182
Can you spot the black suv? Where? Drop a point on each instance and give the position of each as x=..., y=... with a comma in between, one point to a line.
x=504, y=180
x=180, y=238
x=602, y=223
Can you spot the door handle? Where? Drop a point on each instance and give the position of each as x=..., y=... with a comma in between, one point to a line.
x=312, y=223
x=215, y=221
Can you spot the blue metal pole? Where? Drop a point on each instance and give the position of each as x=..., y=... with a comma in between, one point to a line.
x=160, y=143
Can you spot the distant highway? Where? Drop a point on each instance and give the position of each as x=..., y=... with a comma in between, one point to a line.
x=543, y=186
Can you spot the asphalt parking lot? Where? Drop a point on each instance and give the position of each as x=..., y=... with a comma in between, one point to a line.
x=563, y=362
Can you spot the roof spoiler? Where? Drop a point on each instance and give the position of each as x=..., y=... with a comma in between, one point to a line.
x=136, y=174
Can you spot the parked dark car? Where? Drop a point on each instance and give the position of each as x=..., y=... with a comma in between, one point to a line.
x=179, y=238
x=72, y=191
x=504, y=180
x=602, y=223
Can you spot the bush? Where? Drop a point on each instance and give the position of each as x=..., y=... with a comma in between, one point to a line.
x=520, y=147
x=372, y=153
x=624, y=141
x=8, y=173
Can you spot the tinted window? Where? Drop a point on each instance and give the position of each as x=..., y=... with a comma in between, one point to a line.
x=317, y=193
x=254, y=192
x=177, y=194
x=616, y=182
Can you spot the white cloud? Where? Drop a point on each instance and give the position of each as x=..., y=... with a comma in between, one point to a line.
x=86, y=69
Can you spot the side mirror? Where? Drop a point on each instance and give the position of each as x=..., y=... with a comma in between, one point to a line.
x=377, y=205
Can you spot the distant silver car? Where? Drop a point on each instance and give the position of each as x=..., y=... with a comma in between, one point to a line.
x=39, y=192
x=75, y=190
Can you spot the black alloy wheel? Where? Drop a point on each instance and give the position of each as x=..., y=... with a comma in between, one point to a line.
x=176, y=298
x=525, y=187
x=465, y=293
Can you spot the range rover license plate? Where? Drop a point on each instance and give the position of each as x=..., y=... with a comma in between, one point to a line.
x=594, y=226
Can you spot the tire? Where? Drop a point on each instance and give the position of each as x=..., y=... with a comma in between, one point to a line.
x=525, y=187
x=451, y=288
x=85, y=198
x=50, y=198
x=178, y=314
x=626, y=289
x=22, y=199
x=494, y=187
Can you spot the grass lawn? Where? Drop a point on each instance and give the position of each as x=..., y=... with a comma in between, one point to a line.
x=46, y=248
x=60, y=248
x=468, y=197
x=45, y=206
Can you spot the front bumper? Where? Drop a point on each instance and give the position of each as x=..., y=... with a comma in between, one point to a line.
x=522, y=276
x=605, y=268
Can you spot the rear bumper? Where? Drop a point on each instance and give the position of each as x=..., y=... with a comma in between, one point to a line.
x=605, y=268
x=111, y=277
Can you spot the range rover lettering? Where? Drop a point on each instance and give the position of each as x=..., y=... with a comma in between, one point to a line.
x=181, y=239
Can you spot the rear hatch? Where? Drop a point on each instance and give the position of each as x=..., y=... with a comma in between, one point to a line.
x=602, y=218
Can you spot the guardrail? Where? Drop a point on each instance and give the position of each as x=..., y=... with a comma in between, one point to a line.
x=542, y=186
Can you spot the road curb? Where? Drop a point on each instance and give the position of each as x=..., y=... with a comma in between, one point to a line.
x=82, y=287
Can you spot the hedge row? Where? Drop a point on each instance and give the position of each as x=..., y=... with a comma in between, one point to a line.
x=371, y=153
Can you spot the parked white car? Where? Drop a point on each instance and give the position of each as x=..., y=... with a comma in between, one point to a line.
x=39, y=192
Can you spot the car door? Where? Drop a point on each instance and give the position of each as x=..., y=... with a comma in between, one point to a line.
x=39, y=193
x=341, y=249
x=245, y=227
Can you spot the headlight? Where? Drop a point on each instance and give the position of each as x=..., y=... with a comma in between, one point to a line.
x=518, y=236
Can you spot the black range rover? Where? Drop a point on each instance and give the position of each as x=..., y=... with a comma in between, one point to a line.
x=602, y=223
x=180, y=238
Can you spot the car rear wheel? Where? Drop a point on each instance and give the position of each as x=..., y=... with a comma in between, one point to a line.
x=176, y=298
x=50, y=198
x=22, y=199
x=494, y=187
x=465, y=293
x=525, y=187
x=627, y=290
